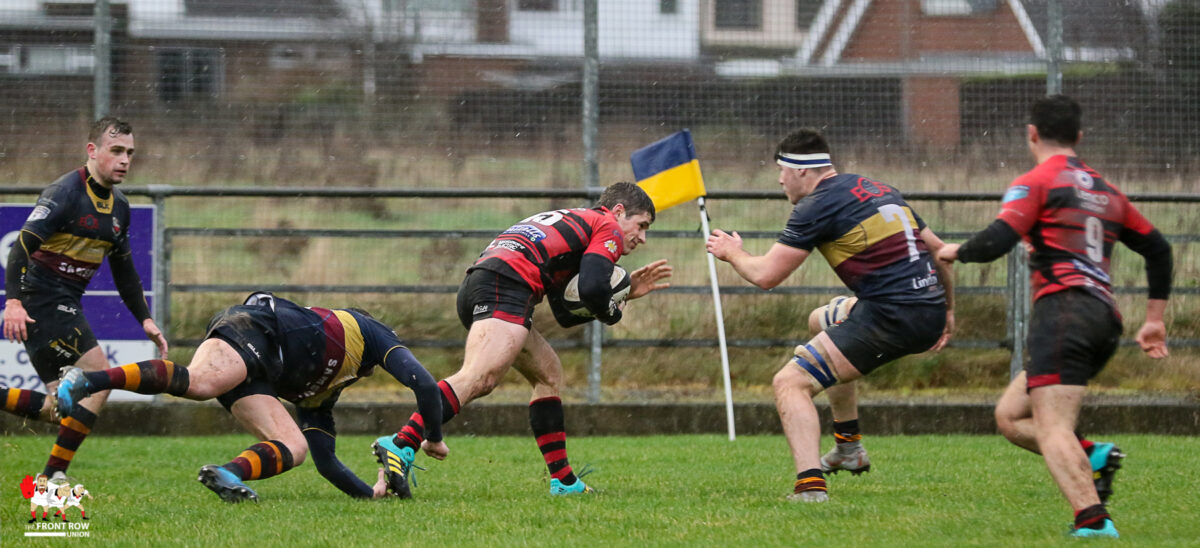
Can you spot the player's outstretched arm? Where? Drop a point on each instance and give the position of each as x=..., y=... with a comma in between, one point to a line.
x=646, y=279
x=764, y=271
x=318, y=429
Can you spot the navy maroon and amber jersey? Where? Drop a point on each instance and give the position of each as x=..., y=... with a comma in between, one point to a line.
x=870, y=237
x=544, y=250
x=1072, y=216
x=78, y=228
x=326, y=350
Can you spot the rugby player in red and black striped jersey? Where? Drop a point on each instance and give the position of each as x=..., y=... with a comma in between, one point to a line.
x=532, y=259
x=270, y=348
x=78, y=221
x=1072, y=217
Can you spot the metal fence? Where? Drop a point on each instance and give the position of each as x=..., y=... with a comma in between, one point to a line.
x=423, y=93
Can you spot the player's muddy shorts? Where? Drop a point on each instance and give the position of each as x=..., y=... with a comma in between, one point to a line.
x=250, y=330
x=487, y=294
x=60, y=334
x=1072, y=334
x=877, y=333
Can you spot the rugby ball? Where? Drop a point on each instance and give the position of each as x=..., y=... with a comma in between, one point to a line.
x=619, y=281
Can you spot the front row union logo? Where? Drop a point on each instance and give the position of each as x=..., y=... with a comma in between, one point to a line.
x=57, y=494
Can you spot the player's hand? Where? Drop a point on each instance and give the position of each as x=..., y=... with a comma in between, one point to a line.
x=15, y=319
x=155, y=334
x=435, y=449
x=379, y=490
x=948, y=253
x=645, y=279
x=1152, y=338
x=947, y=333
x=722, y=245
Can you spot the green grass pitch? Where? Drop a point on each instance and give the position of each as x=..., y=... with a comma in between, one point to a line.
x=658, y=491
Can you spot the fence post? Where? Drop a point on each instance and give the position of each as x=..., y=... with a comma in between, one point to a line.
x=591, y=146
x=162, y=259
x=1018, y=307
x=102, y=68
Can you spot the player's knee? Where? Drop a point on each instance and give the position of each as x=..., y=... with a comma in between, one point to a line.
x=299, y=449
x=814, y=320
x=810, y=366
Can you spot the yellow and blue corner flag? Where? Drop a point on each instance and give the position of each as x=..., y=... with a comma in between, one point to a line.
x=668, y=170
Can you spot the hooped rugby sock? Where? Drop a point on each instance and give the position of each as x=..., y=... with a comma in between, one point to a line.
x=1091, y=517
x=24, y=403
x=261, y=460
x=549, y=427
x=450, y=403
x=412, y=434
x=145, y=377
x=810, y=480
x=846, y=432
x=72, y=431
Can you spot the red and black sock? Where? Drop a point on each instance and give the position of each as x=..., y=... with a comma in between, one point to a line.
x=83, y=514
x=1091, y=517
x=810, y=480
x=24, y=403
x=413, y=433
x=1085, y=444
x=846, y=432
x=546, y=419
x=146, y=377
x=261, y=460
x=72, y=431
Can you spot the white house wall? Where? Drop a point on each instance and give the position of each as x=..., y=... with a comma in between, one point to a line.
x=628, y=29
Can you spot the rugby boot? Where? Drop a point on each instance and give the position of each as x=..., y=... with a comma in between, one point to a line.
x=225, y=484
x=577, y=488
x=1105, y=460
x=397, y=464
x=1108, y=531
x=73, y=387
x=851, y=457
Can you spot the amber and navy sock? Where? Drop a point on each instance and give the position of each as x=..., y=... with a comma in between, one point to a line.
x=1091, y=517
x=810, y=480
x=846, y=432
x=413, y=433
x=24, y=403
x=261, y=460
x=72, y=431
x=546, y=419
x=146, y=377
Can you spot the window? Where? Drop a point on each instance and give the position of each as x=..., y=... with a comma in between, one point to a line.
x=327, y=57
x=48, y=60
x=737, y=14
x=537, y=5
x=189, y=73
x=806, y=11
x=668, y=7
x=957, y=7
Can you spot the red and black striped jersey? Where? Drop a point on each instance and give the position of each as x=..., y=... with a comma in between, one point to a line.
x=1072, y=216
x=544, y=250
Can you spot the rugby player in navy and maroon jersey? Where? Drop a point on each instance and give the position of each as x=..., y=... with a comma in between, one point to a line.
x=270, y=348
x=1072, y=217
x=534, y=259
x=78, y=221
x=883, y=252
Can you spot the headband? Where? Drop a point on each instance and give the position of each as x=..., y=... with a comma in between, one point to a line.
x=803, y=161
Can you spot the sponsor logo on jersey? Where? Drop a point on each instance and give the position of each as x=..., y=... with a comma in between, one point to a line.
x=1016, y=193
x=1092, y=201
x=531, y=232
x=1084, y=180
x=68, y=309
x=89, y=222
x=506, y=244
x=38, y=213
x=116, y=227
x=611, y=246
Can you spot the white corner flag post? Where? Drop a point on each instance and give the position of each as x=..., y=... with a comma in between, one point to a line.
x=716, y=293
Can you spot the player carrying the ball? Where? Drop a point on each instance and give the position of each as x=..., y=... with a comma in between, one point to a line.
x=532, y=259
x=883, y=252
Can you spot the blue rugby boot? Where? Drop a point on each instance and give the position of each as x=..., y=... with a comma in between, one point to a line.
x=225, y=484
x=397, y=464
x=1106, y=460
x=73, y=387
x=1108, y=531
x=577, y=488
